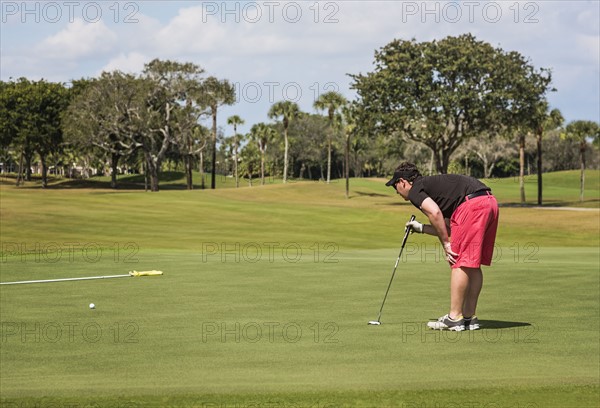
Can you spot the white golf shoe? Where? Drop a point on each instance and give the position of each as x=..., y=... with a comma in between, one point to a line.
x=445, y=323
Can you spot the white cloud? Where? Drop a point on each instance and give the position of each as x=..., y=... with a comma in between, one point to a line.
x=589, y=22
x=139, y=37
x=129, y=63
x=79, y=39
x=589, y=47
x=186, y=33
x=193, y=32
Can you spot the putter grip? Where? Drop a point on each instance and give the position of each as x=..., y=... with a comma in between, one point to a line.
x=412, y=218
x=407, y=232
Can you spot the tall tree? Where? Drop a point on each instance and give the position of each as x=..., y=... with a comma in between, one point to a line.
x=250, y=159
x=30, y=112
x=288, y=111
x=215, y=93
x=525, y=115
x=171, y=87
x=100, y=115
x=360, y=148
x=547, y=121
x=9, y=127
x=583, y=132
x=234, y=121
x=441, y=93
x=331, y=102
x=309, y=134
x=262, y=134
x=189, y=137
x=13, y=114
x=192, y=144
x=201, y=135
x=521, y=136
x=348, y=124
x=50, y=100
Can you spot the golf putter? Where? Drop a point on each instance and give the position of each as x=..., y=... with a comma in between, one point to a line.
x=406, y=233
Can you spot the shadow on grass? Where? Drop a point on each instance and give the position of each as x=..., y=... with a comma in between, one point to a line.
x=104, y=185
x=363, y=194
x=484, y=324
x=121, y=185
x=400, y=202
x=500, y=324
x=169, y=180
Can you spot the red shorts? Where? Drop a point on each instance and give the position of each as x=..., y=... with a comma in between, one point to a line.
x=473, y=228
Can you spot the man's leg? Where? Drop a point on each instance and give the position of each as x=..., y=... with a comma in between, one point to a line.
x=473, y=291
x=459, y=286
x=465, y=287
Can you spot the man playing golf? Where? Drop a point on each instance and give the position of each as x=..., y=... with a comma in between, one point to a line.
x=461, y=208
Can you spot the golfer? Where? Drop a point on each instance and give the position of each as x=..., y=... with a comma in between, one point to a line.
x=463, y=214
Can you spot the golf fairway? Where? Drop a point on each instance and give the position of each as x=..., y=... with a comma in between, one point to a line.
x=265, y=300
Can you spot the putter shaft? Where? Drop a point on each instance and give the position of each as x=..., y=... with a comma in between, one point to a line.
x=406, y=233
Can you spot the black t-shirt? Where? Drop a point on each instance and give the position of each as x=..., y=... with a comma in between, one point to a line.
x=447, y=190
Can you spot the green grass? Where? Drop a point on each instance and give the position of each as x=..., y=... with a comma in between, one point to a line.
x=560, y=188
x=266, y=295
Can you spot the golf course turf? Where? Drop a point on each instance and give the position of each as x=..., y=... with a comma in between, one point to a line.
x=267, y=292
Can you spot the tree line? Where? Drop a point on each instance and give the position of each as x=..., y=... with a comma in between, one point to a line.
x=456, y=104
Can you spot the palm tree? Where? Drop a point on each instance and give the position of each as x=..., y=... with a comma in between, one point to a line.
x=251, y=157
x=580, y=131
x=521, y=141
x=288, y=111
x=200, y=137
x=215, y=93
x=263, y=135
x=549, y=121
x=235, y=120
x=348, y=123
x=330, y=101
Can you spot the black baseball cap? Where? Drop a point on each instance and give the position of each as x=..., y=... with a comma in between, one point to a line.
x=404, y=174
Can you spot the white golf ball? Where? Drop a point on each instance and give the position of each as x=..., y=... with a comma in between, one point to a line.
x=92, y=306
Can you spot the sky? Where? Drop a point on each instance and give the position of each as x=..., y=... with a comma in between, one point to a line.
x=293, y=50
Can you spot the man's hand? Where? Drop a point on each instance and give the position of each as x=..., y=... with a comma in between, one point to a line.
x=450, y=255
x=415, y=226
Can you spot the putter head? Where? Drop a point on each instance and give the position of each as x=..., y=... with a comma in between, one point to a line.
x=374, y=322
